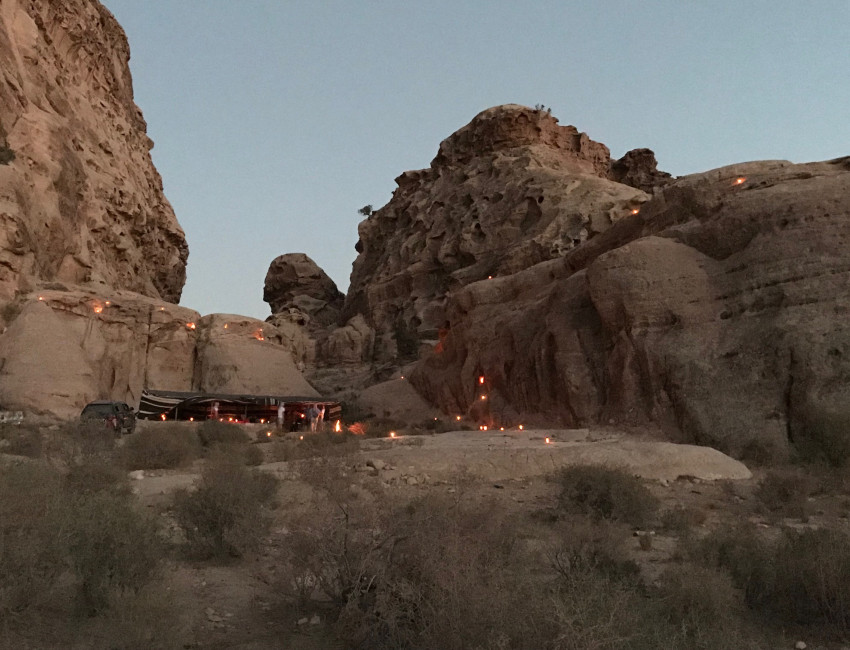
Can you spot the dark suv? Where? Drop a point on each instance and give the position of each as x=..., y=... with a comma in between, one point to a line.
x=115, y=415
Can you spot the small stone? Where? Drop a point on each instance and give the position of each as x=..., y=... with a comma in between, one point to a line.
x=412, y=480
x=303, y=621
x=451, y=490
x=137, y=475
x=800, y=645
x=373, y=471
x=377, y=463
x=315, y=619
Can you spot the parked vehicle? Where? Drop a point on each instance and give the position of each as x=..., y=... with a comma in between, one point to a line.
x=116, y=415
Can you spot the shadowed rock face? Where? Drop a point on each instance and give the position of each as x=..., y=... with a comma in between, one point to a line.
x=719, y=311
x=80, y=200
x=296, y=281
x=509, y=190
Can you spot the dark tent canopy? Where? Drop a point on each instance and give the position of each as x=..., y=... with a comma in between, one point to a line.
x=179, y=405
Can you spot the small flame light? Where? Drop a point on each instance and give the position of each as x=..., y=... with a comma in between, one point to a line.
x=191, y=419
x=268, y=434
x=107, y=303
x=162, y=309
x=225, y=326
x=98, y=308
x=301, y=437
x=392, y=434
x=481, y=379
x=262, y=420
x=190, y=326
x=520, y=427
x=548, y=441
x=259, y=335
x=501, y=428
x=457, y=417
x=740, y=180
x=483, y=397
x=338, y=427
x=402, y=377
x=162, y=416
x=41, y=297
x=489, y=277
x=635, y=210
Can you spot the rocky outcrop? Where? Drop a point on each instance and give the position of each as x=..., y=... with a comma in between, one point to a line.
x=65, y=347
x=638, y=168
x=296, y=281
x=718, y=311
x=80, y=200
x=508, y=191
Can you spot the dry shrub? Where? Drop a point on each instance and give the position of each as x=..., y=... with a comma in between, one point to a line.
x=21, y=440
x=786, y=491
x=444, y=571
x=97, y=473
x=802, y=577
x=112, y=549
x=253, y=455
x=606, y=493
x=162, y=446
x=76, y=439
x=215, y=432
x=225, y=516
x=33, y=525
x=94, y=541
x=681, y=519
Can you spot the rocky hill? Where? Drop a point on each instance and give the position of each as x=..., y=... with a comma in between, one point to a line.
x=719, y=311
x=509, y=190
x=80, y=200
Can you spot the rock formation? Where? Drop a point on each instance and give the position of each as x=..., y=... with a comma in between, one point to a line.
x=718, y=311
x=509, y=190
x=64, y=348
x=294, y=281
x=80, y=200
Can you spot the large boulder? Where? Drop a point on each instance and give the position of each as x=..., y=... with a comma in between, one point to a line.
x=509, y=190
x=718, y=311
x=296, y=281
x=80, y=199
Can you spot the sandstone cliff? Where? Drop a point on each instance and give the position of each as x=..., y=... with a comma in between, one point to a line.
x=718, y=311
x=65, y=347
x=80, y=200
x=509, y=190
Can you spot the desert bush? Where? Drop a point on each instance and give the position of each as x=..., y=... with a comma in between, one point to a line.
x=225, y=516
x=112, y=549
x=354, y=411
x=163, y=446
x=605, y=493
x=825, y=436
x=214, y=432
x=75, y=439
x=681, y=519
x=785, y=490
x=22, y=440
x=97, y=473
x=381, y=427
x=33, y=525
x=763, y=450
x=253, y=455
x=802, y=576
x=315, y=445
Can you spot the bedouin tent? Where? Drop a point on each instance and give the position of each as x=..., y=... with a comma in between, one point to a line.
x=180, y=405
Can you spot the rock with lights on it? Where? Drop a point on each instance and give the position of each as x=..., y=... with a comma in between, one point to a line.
x=64, y=348
x=509, y=190
x=718, y=312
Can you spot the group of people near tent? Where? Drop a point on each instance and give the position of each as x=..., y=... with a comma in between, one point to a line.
x=315, y=416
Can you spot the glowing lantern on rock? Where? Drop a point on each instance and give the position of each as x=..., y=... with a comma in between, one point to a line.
x=635, y=211
x=190, y=326
x=481, y=379
x=520, y=427
x=547, y=441
x=97, y=308
x=259, y=335
x=392, y=434
x=740, y=180
x=457, y=417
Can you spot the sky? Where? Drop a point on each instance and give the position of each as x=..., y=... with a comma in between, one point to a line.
x=274, y=121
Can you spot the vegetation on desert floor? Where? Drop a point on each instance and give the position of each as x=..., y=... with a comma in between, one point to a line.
x=598, y=559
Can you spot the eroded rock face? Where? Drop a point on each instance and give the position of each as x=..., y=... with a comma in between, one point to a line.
x=638, y=168
x=80, y=200
x=719, y=311
x=296, y=281
x=64, y=348
x=510, y=190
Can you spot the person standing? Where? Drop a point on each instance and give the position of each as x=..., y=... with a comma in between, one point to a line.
x=281, y=416
x=320, y=426
x=313, y=416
